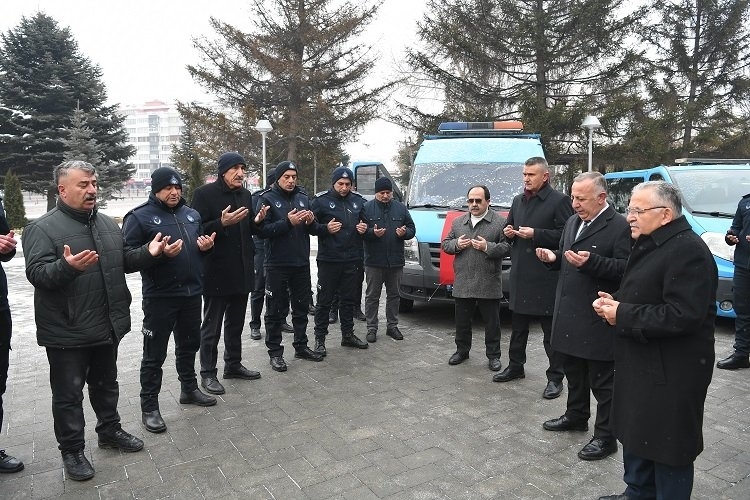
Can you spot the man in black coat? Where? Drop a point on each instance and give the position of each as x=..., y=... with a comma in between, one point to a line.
x=663, y=316
x=226, y=208
x=592, y=256
x=536, y=220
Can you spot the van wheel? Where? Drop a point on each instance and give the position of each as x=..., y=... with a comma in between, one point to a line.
x=405, y=305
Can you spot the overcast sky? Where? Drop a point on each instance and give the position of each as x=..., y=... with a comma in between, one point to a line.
x=143, y=46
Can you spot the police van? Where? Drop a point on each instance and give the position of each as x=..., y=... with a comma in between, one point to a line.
x=711, y=190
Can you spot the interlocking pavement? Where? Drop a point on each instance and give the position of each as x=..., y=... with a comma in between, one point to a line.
x=390, y=422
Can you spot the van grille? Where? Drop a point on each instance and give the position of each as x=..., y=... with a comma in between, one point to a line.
x=435, y=255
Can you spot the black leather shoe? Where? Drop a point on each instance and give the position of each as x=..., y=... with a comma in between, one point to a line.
x=615, y=497
x=353, y=341
x=565, y=424
x=333, y=316
x=9, y=464
x=287, y=328
x=120, y=440
x=553, y=390
x=598, y=448
x=734, y=362
x=197, y=398
x=308, y=354
x=242, y=372
x=394, y=333
x=255, y=334
x=153, y=422
x=359, y=315
x=76, y=465
x=494, y=364
x=278, y=364
x=510, y=373
x=311, y=310
x=320, y=346
x=372, y=336
x=212, y=385
x=458, y=358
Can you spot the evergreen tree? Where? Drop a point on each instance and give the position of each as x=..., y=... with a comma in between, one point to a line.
x=43, y=78
x=15, y=211
x=194, y=179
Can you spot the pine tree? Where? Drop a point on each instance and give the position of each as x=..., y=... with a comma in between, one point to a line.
x=195, y=179
x=15, y=212
x=43, y=78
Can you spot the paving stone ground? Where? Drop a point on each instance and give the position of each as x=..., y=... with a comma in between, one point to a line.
x=390, y=422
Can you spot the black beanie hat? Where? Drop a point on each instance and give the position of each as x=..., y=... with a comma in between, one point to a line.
x=270, y=177
x=283, y=167
x=342, y=173
x=383, y=184
x=163, y=177
x=228, y=160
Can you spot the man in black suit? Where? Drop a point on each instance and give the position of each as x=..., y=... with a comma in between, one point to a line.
x=593, y=252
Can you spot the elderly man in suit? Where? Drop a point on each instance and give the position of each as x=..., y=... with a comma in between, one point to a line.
x=478, y=243
x=593, y=252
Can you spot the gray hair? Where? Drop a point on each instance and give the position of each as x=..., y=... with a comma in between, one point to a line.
x=667, y=194
x=537, y=160
x=62, y=169
x=599, y=183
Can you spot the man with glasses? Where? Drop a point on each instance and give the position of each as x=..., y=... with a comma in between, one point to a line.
x=479, y=245
x=663, y=327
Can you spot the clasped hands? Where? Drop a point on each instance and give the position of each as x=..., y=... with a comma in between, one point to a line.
x=477, y=243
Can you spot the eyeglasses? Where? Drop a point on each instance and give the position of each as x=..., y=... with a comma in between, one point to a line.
x=472, y=201
x=639, y=211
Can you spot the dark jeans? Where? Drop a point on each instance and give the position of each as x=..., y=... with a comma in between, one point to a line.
x=585, y=376
x=520, y=337
x=490, y=309
x=742, y=309
x=336, y=279
x=648, y=480
x=376, y=278
x=162, y=315
x=231, y=310
x=258, y=295
x=69, y=369
x=283, y=283
x=6, y=328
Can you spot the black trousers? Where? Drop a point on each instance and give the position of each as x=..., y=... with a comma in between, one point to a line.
x=6, y=328
x=648, y=480
x=520, y=337
x=69, y=369
x=283, y=284
x=741, y=282
x=229, y=310
x=162, y=315
x=258, y=295
x=584, y=377
x=490, y=310
x=336, y=279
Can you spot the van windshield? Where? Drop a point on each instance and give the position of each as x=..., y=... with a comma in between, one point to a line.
x=712, y=190
x=446, y=184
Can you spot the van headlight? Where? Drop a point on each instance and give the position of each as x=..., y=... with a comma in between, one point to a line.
x=411, y=251
x=718, y=246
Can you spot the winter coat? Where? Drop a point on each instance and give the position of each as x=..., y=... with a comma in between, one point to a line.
x=741, y=228
x=178, y=276
x=229, y=266
x=4, y=257
x=664, y=345
x=576, y=328
x=387, y=250
x=346, y=244
x=532, y=284
x=478, y=273
x=79, y=308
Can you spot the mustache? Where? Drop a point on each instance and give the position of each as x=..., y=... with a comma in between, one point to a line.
x=90, y=198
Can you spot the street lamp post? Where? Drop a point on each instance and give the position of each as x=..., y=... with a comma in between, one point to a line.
x=264, y=127
x=590, y=123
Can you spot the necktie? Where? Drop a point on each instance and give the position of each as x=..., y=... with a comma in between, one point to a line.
x=582, y=228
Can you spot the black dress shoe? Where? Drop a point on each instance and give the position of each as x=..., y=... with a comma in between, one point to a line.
x=394, y=333
x=242, y=372
x=510, y=373
x=197, y=398
x=308, y=354
x=278, y=364
x=333, y=316
x=353, y=341
x=553, y=390
x=120, y=440
x=372, y=336
x=615, y=497
x=734, y=362
x=565, y=424
x=320, y=346
x=359, y=315
x=77, y=466
x=9, y=464
x=311, y=310
x=153, y=422
x=458, y=358
x=212, y=385
x=494, y=364
x=598, y=448
x=287, y=328
x=255, y=334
